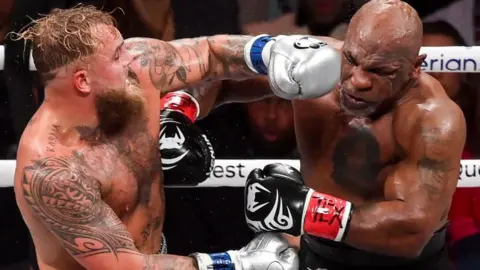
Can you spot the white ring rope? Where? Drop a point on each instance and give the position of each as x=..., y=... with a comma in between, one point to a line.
x=233, y=173
x=439, y=59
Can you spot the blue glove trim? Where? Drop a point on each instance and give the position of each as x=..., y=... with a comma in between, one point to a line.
x=221, y=261
x=256, y=54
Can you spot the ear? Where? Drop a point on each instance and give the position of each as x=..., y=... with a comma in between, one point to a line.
x=417, y=65
x=82, y=82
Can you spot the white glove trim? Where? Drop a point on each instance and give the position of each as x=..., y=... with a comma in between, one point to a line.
x=203, y=260
x=345, y=219
x=305, y=208
x=234, y=257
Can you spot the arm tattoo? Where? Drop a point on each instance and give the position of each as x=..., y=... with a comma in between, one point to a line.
x=433, y=165
x=164, y=63
x=53, y=138
x=229, y=50
x=194, y=52
x=191, y=61
x=63, y=194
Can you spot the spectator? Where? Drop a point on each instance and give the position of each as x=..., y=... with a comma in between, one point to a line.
x=441, y=33
x=316, y=17
x=464, y=230
x=263, y=129
x=454, y=13
x=5, y=7
x=141, y=18
x=270, y=128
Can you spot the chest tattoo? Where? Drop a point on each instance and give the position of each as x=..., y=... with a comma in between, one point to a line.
x=137, y=151
x=356, y=161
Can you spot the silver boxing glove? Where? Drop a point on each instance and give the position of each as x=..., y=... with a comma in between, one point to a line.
x=298, y=67
x=267, y=251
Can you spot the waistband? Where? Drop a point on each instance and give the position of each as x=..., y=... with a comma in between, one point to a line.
x=344, y=254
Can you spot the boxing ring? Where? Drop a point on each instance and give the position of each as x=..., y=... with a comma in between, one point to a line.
x=233, y=173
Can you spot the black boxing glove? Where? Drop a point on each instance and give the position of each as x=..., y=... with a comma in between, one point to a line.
x=186, y=153
x=277, y=200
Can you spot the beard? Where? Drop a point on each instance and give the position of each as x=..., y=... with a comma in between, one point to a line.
x=117, y=108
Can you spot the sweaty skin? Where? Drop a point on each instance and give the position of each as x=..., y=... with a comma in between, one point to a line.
x=93, y=201
x=388, y=139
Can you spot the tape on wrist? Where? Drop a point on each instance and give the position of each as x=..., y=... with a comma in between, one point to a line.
x=214, y=261
x=183, y=102
x=326, y=216
x=253, y=54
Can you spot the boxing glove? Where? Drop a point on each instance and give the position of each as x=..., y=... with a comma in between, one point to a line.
x=298, y=67
x=266, y=251
x=277, y=200
x=187, y=154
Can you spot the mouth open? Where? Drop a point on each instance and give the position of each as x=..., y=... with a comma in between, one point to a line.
x=355, y=100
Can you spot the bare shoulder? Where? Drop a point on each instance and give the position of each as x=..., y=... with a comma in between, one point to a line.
x=431, y=117
x=43, y=158
x=37, y=166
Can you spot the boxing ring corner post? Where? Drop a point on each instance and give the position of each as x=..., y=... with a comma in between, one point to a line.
x=234, y=173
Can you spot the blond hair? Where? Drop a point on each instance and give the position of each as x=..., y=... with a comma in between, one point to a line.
x=64, y=36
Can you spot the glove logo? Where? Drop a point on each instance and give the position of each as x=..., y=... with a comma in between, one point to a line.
x=275, y=220
x=252, y=205
x=169, y=143
x=306, y=43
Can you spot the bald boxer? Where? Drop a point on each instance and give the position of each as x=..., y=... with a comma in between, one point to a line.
x=88, y=179
x=380, y=157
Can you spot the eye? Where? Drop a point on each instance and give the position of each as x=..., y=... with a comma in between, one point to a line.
x=381, y=72
x=350, y=59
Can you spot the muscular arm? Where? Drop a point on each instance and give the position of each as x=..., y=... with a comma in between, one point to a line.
x=66, y=197
x=170, y=66
x=256, y=88
x=418, y=192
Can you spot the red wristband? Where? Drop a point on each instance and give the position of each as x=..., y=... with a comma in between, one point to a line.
x=326, y=216
x=182, y=102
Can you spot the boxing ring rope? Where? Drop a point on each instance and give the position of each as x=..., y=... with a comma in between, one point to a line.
x=439, y=59
x=233, y=173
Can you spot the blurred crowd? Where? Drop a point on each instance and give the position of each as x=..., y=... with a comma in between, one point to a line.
x=211, y=219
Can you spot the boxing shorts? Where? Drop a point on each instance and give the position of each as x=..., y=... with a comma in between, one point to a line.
x=320, y=254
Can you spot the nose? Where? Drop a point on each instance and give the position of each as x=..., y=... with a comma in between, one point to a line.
x=360, y=79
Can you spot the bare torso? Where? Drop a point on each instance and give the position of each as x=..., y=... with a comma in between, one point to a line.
x=127, y=169
x=349, y=157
